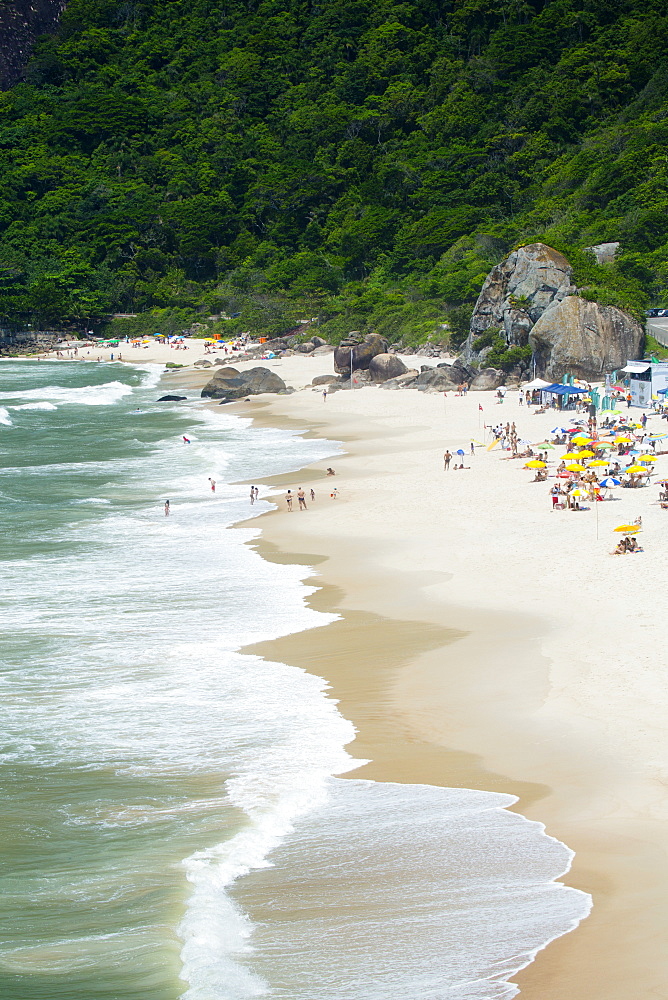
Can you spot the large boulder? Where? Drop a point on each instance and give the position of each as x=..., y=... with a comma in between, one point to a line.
x=459, y=371
x=171, y=399
x=488, y=378
x=385, y=366
x=253, y=382
x=434, y=380
x=323, y=349
x=307, y=348
x=361, y=351
x=318, y=342
x=401, y=381
x=517, y=292
x=584, y=339
x=324, y=379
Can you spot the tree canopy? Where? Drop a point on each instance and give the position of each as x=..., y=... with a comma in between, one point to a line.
x=363, y=162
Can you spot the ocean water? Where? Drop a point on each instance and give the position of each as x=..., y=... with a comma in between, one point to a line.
x=172, y=824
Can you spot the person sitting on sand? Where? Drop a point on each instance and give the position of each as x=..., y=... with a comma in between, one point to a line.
x=330, y=472
x=632, y=545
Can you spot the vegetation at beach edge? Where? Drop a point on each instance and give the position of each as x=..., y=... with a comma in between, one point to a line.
x=247, y=165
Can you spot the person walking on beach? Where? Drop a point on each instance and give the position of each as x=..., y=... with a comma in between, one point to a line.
x=289, y=498
x=472, y=448
x=213, y=484
x=324, y=395
x=301, y=496
x=166, y=508
x=312, y=494
x=446, y=461
x=252, y=495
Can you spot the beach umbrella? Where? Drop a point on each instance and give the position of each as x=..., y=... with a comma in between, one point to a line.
x=580, y=439
x=627, y=528
x=636, y=468
x=535, y=464
x=559, y=430
x=657, y=437
x=599, y=461
x=602, y=444
x=623, y=440
x=578, y=493
x=571, y=455
x=460, y=451
x=586, y=454
x=610, y=481
x=646, y=458
x=576, y=467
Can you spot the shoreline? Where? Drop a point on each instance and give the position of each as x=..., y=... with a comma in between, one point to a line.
x=407, y=727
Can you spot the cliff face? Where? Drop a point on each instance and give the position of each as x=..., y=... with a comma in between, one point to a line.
x=21, y=22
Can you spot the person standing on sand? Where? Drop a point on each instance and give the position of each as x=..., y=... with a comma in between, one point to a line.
x=446, y=461
x=301, y=496
x=288, y=499
x=472, y=448
x=312, y=494
x=166, y=508
x=324, y=395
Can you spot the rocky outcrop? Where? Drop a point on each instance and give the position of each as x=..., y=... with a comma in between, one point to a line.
x=385, y=366
x=361, y=349
x=517, y=292
x=434, y=380
x=604, y=252
x=21, y=23
x=29, y=342
x=584, y=339
x=253, y=382
x=171, y=399
x=324, y=379
x=401, y=381
x=488, y=378
x=459, y=371
x=307, y=348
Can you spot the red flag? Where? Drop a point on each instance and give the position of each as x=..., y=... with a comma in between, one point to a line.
x=479, y=406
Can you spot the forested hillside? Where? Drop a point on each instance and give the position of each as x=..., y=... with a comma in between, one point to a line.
x=363, y=162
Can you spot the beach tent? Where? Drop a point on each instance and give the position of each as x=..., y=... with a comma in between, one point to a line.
x=537, y=383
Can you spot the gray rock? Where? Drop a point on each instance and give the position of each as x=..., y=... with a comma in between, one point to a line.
x=434, y=380
x=488, y=378
x=362, y=353
x=203, y=363
x=171, y=399
x=584, y=339
x=249, y=383
x=385, y=366
x=604, y=252
x=319, y=342
x=517, y=292
x=324, y=349
x=401, y=381
x=307, y=348
x=324, y=379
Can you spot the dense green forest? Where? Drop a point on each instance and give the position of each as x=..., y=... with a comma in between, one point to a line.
x=362, y=162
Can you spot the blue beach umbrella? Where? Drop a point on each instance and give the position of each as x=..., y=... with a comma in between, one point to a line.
x=460, y=451
x=610, y=481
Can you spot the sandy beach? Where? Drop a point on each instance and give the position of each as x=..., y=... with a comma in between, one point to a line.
x=487, y=641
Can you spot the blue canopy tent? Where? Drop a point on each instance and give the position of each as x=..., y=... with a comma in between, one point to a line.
x=562, y=392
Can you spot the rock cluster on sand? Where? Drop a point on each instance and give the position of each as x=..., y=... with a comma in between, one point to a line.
x=228, y=384
x=530, y=300
x=358, y=350
x=386, y=366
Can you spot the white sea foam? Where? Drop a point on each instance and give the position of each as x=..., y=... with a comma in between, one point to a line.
x=5, y=417
x=35, y=406
x=87, y=395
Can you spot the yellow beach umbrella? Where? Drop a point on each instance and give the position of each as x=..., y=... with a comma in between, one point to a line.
x=581, y=439
x=586, y=454
x=636, y=468
x=578, y=493
x=598, y=461
x=623, y=441
x=627, y=528
x=571, y=455
x=535, y=464
x=646, y=458
x=576, y=467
